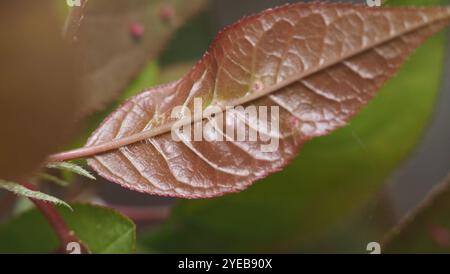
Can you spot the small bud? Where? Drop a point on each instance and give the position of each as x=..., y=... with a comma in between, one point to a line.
x=440, y=235
x=167, y=13
x=295, y=122
x=258, y=86
x=136, y=30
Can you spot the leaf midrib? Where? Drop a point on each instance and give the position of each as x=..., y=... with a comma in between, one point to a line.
x=137, y=137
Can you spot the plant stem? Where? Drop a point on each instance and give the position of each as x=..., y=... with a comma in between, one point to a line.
x=439, y=192
x=144, y=214
x=55, y=220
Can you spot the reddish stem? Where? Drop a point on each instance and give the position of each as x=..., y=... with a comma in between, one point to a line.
x=144, y=214
x=65, y=234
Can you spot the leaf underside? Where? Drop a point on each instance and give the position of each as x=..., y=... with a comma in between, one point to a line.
x=320, y=63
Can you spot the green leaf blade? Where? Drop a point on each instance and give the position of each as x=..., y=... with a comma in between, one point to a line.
x=102, y=229
x=23, y=191
x=71, y=167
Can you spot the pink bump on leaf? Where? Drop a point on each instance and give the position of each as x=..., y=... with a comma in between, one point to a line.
x=440, y=235
x=167, y=13
x=258, y=86
x=136, y=29
x=295, y=122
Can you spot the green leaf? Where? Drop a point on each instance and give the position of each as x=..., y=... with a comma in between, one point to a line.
x=331, y=181
x=102, y=229
x=23, y=191
x=53, y=179
x=71, y=167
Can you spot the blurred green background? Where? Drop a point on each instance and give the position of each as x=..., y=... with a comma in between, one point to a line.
x=343, y=191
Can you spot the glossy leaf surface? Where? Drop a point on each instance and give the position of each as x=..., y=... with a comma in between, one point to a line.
x=320, y=63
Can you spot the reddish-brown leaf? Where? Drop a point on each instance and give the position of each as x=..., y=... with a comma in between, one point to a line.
x=118, y=38
x=320, y=63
